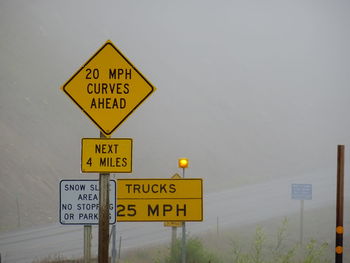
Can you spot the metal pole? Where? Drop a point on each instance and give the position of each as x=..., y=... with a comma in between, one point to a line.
x=103, y=223
x=173, y=241
x=119, y=248
x=183, y=250
x=18, y=213
x=217, y=226
x=87, y=243
x=114, y=250
x=340, y=206
x=301, y=221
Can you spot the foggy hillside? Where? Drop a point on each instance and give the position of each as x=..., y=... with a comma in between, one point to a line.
x=247, y=90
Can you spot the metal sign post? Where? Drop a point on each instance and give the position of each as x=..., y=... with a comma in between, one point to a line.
x=340, y=206
x=301, y=192
x=87, y=243
x=301, y=221
x=183, y=250
x=103, y=222
x=183, y=163
x=114, y=250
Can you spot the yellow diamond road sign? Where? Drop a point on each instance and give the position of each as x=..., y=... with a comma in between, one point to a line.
x=108, y=88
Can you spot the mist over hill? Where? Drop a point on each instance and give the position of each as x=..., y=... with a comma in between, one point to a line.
x=249, y=91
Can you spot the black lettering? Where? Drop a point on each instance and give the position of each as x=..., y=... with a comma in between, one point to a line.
x=103, y=162
x=104, y=88
x=98, y=148
x=128, y=186
x=93, y=187
x=167, y=208
x=74, y=187
x=153, y=211
x=120, y=72
x=106, y=103
x=172, y=188
x=93, y=104
x=163, y=188
x=90, y=91
x=154, y=190
x=126, y=88
x=120, y=210
x=146, y=190
x=82, y=196
x=122, y=103
x=137, y=188
x=128, y=73
x=178, y=209
x=112, y=74
x=95, y=73
x=119, y=88
x=67, y=207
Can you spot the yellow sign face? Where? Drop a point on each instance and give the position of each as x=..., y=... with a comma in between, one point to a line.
x=108, y=88
x=173, y=224
x=112, y=155
x=159, y=200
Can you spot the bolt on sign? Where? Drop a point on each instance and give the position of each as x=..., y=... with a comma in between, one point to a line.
x=173, y=224
x=106, y=155
x=159, y=200
x=108, y=88
x=79, y=202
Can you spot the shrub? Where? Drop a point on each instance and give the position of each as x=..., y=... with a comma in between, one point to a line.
x=195, y=253
x=263, y=251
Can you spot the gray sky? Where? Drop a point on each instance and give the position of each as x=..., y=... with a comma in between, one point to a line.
x=247, y=90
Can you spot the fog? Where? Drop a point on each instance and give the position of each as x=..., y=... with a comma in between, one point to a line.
x=249, y=91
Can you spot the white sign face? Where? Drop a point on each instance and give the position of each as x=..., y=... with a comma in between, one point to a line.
x=302, y=191
x=79, y=202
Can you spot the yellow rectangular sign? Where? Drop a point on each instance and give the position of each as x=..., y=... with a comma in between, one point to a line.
x=159, y=188
x=106, y=155
x=159, y=200
x=159, y=210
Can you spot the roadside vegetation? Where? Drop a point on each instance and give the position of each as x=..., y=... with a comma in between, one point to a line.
x=260, y=248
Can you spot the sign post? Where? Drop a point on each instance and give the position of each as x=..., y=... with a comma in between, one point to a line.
x=301, y=192
x=87, y=243
x=174, y=225
x=183, y=163
x=340, y=206
x=103, y=219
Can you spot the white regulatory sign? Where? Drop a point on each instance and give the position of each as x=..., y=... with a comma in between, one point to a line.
x=79, y=202
x=301, y=191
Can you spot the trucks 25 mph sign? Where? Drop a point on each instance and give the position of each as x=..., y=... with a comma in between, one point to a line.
x=159, y=200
